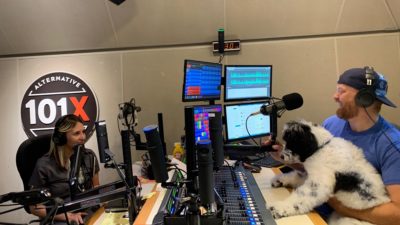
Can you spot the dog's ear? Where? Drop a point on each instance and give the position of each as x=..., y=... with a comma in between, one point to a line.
x=295, y=131
x=300, y=139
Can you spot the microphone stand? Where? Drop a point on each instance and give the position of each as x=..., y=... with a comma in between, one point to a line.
x=274, y=123
x=132, y=208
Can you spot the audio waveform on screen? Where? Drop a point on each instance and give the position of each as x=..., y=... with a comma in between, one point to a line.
x=256, y=81
x=247, y=74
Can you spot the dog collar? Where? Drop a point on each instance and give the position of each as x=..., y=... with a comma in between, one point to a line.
x=323, y=145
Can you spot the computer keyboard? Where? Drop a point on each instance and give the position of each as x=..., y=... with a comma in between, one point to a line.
x=266, y=161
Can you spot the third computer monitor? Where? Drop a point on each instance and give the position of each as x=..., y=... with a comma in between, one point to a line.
x=239, y=125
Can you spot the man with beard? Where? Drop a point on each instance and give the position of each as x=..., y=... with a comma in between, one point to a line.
x=360, y=93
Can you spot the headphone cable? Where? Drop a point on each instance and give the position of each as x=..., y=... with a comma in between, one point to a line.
x=383, y=129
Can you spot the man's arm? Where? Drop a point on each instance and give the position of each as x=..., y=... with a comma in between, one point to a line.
x=385, y=214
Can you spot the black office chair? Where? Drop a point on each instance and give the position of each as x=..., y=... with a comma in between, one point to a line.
x=28, y=153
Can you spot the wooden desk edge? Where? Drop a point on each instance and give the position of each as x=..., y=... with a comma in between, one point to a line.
x=96, y=215
x=146, y=210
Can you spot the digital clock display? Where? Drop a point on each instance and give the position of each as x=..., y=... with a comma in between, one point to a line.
x=229, y=46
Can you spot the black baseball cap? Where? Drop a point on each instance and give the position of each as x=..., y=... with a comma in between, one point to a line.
x=356, y=78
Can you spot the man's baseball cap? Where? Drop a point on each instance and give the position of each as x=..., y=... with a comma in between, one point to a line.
x=356, y=78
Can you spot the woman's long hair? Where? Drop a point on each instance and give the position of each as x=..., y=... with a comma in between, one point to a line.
x=57, y=150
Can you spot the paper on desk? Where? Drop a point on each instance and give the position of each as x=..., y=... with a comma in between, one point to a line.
x=117, y=218
x=300, y=219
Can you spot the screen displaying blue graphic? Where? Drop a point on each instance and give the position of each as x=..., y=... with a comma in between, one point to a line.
x=247, y=82
x=202, y=81
x=201, y=116
x=235, y=121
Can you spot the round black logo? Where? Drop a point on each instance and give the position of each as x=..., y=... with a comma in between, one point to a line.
x=54, y=95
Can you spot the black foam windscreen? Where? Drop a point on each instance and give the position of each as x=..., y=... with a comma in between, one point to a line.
x=216, y=136
x=161, y=130
x=206, y=175
x=102, y=140
x=126, y=154
x=292, y=101
x=76, y=160
x=157, y=158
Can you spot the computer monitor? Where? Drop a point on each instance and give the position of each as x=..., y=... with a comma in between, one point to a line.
x=202, y=116
x=202, y=81
x=247, y=82
x=237, y=118
x=197, y=121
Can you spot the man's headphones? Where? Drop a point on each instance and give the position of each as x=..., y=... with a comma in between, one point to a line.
x=366, y=96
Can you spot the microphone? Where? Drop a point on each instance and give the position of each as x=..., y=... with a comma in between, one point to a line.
x=102, y=141
x=75, y=166
x=206, y=175
x=217, y=142
x=156, y=152
x=289, y=102
x=128, y=108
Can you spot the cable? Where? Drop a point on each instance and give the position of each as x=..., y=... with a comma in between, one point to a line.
x=247, y=129
x=383, y=129
x=221, y=57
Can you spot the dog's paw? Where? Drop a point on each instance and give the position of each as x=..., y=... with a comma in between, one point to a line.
x=278, y=211
x=276, y=182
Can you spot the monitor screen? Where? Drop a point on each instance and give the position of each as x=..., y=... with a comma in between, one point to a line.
x=236, y=118
x=202, y=81
x=201, y=115
x=196, y=128
x=247, y=82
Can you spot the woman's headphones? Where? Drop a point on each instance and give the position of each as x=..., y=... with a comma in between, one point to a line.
x=60, y=138
x=366, y=96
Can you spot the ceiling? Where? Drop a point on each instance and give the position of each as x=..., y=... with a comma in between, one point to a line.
x=39, y=27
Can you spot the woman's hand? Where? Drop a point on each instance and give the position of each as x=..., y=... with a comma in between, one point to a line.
x=76, y=218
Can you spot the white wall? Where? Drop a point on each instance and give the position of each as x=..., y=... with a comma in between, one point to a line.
x=154, y=78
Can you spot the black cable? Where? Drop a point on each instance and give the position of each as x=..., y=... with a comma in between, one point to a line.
x=383, y=129
x=247, y=129
x=221, y=57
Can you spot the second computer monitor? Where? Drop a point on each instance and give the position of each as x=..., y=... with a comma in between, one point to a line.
x=239, y=125
x=247, y=82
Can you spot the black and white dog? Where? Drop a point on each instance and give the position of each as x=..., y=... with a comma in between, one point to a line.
x=333, y=167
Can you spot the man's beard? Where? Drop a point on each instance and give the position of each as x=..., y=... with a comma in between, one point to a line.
x=347, y=111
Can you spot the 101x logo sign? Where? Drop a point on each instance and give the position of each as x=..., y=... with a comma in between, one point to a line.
x=54, y=95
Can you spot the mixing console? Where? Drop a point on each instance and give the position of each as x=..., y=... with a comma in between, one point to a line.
x=242, y=200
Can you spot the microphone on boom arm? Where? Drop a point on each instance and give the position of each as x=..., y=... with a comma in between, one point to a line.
x=76, y=160
x=288, y=102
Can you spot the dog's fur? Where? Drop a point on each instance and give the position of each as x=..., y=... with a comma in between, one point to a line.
x=333, y=167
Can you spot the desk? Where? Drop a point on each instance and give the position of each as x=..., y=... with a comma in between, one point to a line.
x=263, y=178
x=273, y=194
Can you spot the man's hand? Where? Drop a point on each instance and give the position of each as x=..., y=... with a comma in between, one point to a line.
x=278, y=147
